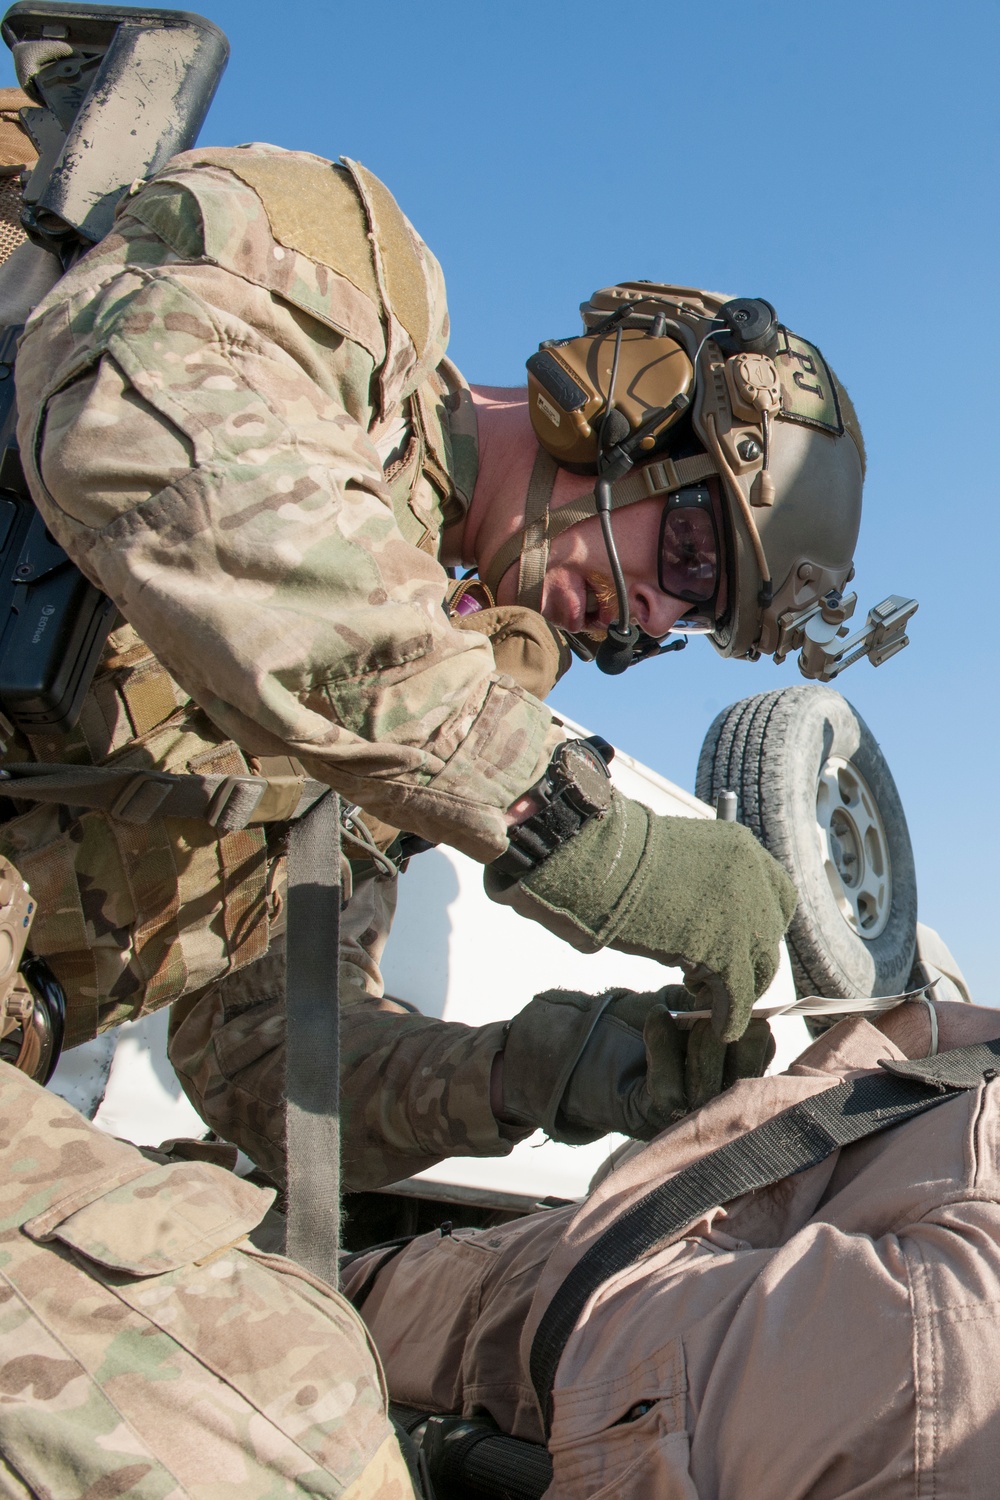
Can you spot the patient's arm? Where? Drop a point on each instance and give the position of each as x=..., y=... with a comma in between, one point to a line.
x=909, y=1026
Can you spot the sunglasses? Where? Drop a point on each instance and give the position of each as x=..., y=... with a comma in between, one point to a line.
x=689, y=556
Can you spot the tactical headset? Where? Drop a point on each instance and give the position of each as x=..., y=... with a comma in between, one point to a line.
x=702, y=391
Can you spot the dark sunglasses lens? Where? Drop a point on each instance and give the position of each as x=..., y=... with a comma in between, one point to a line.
x=689, y=556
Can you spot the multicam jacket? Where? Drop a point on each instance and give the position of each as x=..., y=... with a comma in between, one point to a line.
x=148, y=1350
x=240, y=423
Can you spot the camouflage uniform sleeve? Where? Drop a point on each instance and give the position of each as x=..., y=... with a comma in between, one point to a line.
x=414, y=1090
x=200, y=447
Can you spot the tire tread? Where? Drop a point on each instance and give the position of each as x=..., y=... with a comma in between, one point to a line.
x=755, y=748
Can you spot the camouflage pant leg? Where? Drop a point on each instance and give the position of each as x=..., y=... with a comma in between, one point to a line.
x=148, y=1351
x=413, y=1089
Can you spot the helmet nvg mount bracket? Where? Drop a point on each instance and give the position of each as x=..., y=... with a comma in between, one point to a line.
x=669, y=387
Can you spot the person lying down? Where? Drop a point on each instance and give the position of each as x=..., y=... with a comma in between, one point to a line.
x=835, y=1334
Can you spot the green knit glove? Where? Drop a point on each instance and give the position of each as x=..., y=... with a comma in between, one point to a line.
x=582, y=1066
x=693, y=892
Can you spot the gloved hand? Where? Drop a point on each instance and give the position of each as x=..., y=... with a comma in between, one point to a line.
x=581, y=1066
x=688, y=891
x=525, y=645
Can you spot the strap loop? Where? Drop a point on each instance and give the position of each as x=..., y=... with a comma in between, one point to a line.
x=234, y=802
x=140, y=798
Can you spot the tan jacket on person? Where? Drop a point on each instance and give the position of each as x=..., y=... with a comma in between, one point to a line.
x=836, y=1335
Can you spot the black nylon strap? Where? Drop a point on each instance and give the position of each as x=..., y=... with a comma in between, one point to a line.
x=134, y=794
x=791, y=1142
x=389, y=1250
x=312, y=1044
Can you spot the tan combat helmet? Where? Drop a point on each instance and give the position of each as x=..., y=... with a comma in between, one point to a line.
x=670, y=389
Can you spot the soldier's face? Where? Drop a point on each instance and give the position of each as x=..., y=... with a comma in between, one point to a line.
x=579, y=593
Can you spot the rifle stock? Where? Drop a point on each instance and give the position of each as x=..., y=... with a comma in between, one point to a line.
x=117, y=92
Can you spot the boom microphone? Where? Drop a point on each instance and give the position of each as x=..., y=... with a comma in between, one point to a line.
x=615, y=653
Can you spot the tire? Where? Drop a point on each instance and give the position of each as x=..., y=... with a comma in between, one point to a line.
x=813, y=785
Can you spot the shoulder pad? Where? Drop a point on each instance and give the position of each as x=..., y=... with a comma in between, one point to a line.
x=312, y=206
x=331, y=217
x=204, y=209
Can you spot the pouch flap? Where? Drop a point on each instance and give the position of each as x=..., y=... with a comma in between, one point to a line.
x=163, y=1219
x=584, y=1407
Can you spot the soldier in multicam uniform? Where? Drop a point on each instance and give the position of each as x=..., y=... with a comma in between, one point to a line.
x=238, y=418
x=147, y=1347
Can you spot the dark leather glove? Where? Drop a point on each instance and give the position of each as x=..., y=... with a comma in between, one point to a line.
x=693, y=892
x=581, y=1066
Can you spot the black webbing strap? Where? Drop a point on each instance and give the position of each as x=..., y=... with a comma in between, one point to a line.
x=135, y=794
x=390, y=1249
x=312, y=1044
x=791, y=1142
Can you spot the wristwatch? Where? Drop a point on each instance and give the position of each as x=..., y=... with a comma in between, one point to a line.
x=575, y=788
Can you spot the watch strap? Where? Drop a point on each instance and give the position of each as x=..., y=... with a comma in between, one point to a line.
x=576, y=787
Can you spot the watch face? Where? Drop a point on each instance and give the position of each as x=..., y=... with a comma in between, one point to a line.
x=585, y=777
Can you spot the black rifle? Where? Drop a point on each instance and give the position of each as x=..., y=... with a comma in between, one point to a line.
x=118, y=92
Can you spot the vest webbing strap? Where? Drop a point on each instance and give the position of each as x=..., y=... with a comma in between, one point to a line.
x=662, y=477
x=312, y=1045
x=791, y=1142
x=134, y=795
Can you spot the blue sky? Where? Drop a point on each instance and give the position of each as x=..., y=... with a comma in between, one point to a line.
x=838, y=160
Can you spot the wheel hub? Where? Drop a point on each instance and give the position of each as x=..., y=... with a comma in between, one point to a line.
x=853, y=847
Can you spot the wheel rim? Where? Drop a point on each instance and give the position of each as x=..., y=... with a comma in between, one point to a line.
x=853, y=847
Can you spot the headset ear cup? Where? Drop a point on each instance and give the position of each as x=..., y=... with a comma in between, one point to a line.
x=569, y=383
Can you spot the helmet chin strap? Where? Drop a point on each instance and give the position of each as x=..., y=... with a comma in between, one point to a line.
x=533, y=557
x=530, y=544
